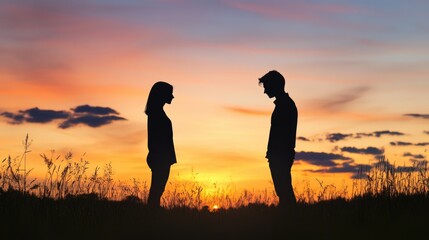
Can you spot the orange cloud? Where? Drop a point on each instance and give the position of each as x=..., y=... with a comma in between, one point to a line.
x=248, y=111
x=341, y=99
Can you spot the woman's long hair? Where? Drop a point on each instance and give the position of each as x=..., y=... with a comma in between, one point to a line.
x=157, y=95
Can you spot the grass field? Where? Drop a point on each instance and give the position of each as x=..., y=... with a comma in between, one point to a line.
x=87, y=217
x=387, y=202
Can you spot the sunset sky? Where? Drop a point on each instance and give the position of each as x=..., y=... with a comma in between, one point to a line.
x=75, y=76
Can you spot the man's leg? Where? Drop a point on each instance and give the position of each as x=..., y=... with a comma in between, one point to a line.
x=282, y=179
x=289, y=198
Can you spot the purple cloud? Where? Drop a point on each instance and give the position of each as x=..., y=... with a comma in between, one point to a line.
x=85, y=114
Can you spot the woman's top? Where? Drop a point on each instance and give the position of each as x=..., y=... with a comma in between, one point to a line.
x=160, y=140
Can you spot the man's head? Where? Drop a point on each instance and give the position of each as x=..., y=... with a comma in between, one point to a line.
x=273, y=83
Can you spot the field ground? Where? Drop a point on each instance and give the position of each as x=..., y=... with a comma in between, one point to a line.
x=87, y=217
x=388, y=202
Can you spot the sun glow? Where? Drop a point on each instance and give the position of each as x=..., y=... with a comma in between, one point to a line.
x=215, y=207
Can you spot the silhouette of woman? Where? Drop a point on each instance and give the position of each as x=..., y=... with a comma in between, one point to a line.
x=160, y=140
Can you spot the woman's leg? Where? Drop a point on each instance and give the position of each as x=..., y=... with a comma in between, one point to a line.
x=159, y=180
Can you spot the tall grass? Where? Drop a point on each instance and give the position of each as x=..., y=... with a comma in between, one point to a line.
x=385, y=179
x=69, y=177
x=13, y=171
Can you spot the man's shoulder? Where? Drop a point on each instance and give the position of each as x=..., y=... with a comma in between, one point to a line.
x=286, y=102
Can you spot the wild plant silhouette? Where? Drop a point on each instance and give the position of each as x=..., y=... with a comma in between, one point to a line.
x=70, y=202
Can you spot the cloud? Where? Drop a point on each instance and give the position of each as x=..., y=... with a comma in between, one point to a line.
x=303, y=139
x=399, y=143
x=14, y=118
x=360, y=175
x=92, y=116
x=417, y=115
x=89, y=120
x=384, y=166
x=368, y=150
x=248, y=111
x=35, y=115
x=342, y=99
x=334, y=137
x=320, y=158
x=345, y=168
x=387, y=132
x=414, y=156
x=361, y=135
x=359, y=171
x=94, y=110
x=362, y=171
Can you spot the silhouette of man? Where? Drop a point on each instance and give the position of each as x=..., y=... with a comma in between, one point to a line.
x=281, y=143
x=160, y=140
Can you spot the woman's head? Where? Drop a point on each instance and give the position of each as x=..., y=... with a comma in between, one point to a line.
x=160, y=93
